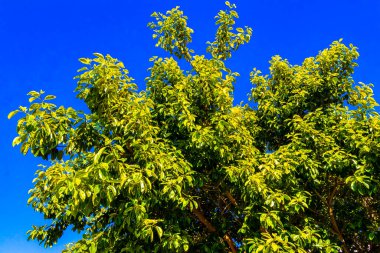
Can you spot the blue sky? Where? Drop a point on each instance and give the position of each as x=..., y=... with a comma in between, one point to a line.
x=42, y=40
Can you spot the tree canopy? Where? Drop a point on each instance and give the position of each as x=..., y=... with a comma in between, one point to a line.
x=178, y=167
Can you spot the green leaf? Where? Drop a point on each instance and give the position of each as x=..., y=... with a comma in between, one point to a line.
x=23, y=108
x=86, y=61
x=16, y=141
x=101, y=176
x=31, y=99
x=354, y=186
x=98, y=154
x=93, y=248
x=159, y=231
x=30, y=200
x=112, y=189
x=82, y=195
x=12, y=113
x=240, y=30
x=49, y=97
x=274, y=247
x=98, y=55
x=34, y=93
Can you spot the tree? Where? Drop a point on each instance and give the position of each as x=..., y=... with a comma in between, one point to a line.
x=177, y=167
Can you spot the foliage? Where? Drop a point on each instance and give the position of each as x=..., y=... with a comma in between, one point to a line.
x=177, y=167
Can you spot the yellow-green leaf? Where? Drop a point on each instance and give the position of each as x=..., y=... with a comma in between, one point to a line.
x=12, y=113
x=97, y=156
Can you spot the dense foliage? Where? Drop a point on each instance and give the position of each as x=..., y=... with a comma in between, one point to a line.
x=177, y=167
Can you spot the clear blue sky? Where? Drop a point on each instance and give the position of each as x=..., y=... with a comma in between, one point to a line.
x=42, y=40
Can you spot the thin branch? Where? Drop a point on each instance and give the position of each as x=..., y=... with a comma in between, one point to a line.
x=231, y=198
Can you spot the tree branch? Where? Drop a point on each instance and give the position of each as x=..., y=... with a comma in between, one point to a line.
x=231, y=198
x=203, y=220
x=330, y=208
x=230, y=243
x=212, y=229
